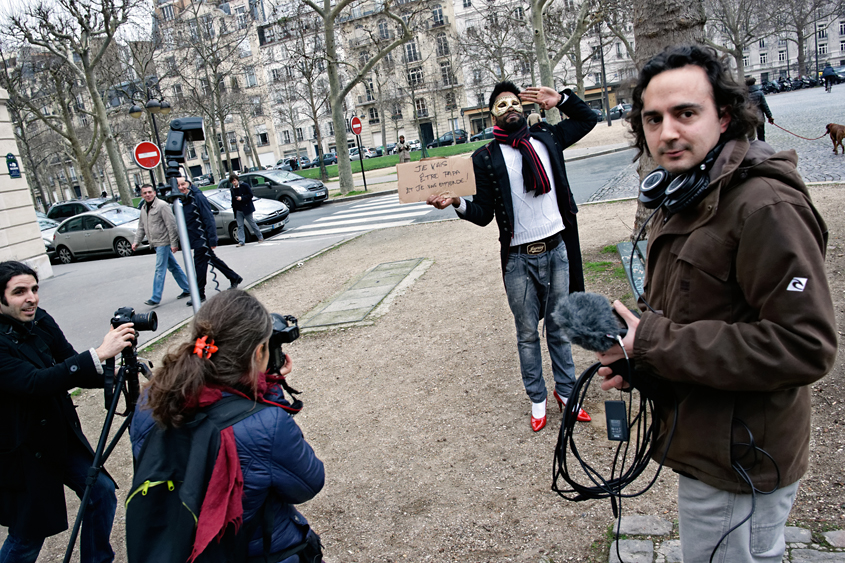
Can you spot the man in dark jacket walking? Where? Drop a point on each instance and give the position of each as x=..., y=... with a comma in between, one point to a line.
x=520, y=180
x=202, y=233
x=42, y=447
x=737, y=318
x=758, y=102
x=829, y=76
x=244, y=208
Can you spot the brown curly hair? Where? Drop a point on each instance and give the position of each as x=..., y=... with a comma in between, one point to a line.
x=237, y=323
x=729, y=96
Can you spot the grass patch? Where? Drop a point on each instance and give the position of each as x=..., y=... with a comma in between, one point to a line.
x=596, y=270
x=353, y=192
x=76, y=393
x=609, y=249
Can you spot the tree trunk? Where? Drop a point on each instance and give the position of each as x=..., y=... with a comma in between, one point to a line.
x=740, y=67
x=542, y=52
x=344, y=167
x=802, y=53
x=657, y=25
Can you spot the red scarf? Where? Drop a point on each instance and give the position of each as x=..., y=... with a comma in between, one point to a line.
x=223, y=503
x=533, y=173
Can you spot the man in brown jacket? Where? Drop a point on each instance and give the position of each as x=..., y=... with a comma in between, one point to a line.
x=159, y=226
x=738, y=318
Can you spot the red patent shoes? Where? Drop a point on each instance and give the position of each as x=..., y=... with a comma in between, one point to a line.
x=582, y=414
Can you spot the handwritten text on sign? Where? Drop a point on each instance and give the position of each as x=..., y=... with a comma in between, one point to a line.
x=452, y=176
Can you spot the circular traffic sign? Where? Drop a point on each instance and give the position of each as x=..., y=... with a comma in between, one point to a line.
x=356, y=125
x=147, y=155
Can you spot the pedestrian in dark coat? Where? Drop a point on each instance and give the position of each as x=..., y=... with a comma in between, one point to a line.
x=758, y=101
x=202, y=232
x=244, y=208
x=42, y=447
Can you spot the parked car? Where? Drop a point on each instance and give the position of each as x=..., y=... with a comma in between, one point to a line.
x=201, y=180
x=48, y=228
x=65, y=209
x=107, y=230
x=254, y=169
x=353, y=153
x=414, y=145
x=446, y=139
x=270, y=215
x=599, y=114
x=292, y=163
x=291, y=189
x=481, y=135
x=328, y=158
x=617, y=112
x=390, y=148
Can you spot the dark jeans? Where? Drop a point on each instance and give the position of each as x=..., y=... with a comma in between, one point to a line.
x=761, y=132
x=96, y=523
x=202, y=257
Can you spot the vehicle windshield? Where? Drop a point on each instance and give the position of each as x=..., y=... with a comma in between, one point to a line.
x=223, y=199
x=120, y=215
x=282, y=176
x=45, y=224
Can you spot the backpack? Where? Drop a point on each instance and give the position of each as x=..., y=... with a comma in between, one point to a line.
x=171, y=476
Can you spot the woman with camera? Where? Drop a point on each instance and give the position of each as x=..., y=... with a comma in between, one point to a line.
x=227, y=355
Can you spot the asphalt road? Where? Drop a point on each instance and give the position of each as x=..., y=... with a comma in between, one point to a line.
x=83, y=296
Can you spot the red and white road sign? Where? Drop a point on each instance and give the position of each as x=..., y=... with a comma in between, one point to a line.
x=147, y=155
x=356, y=125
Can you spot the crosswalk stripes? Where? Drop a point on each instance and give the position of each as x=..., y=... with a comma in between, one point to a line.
x=377, y=213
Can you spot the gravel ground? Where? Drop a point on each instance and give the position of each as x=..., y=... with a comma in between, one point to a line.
x=422, y=421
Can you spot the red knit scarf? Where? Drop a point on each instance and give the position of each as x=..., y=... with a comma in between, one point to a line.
x=533, y=173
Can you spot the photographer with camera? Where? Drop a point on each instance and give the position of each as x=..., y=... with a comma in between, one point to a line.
x=42, y=447
x=263, y=466
x=202, y=233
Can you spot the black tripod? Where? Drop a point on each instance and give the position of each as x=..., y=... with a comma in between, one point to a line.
x=127, y=384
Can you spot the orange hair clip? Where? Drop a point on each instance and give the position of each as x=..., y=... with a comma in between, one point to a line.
x=204, y=350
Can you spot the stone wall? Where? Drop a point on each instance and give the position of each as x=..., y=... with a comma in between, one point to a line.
x=20, y=236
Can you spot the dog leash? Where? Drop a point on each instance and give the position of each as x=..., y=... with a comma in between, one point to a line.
x=799, y=136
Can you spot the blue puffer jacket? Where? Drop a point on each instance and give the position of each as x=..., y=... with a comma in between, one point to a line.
x=274, y=457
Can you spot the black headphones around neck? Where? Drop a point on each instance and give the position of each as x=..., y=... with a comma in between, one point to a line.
x=680, y=192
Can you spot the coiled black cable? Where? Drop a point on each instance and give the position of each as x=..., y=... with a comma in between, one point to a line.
x=205, y=242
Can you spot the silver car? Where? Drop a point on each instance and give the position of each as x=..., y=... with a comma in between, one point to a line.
x=270, y=215
x=107, y=230
x=48, y=228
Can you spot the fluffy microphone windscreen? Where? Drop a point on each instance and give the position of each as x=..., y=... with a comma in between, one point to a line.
x=588, y=319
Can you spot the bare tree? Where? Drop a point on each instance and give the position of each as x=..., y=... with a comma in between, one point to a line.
x=733, y=25
x=797, y=19
x=79, y=32
x=329, y=12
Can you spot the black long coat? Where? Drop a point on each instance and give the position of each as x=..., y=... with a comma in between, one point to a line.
x=38, y=422
x=493, y=192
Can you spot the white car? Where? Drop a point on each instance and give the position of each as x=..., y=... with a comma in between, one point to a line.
x=353, y=153
x=414, y=145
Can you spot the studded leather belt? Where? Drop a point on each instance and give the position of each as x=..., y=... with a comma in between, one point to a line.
x=538, y=246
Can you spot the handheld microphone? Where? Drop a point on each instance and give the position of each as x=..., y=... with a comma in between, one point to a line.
x=590, y=322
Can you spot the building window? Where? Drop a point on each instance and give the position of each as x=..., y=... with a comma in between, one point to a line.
x=192, y=151
x=330, y=128
x=467, y=3
x=762, y=44
x=822, y=48
x=450, y=100
x=842, y=28
x=446, y=73
x=251, y=79
x=519, y=13
x=422, y=110
x=177, y=90
x=437, y=15
x=480, y=101
x=286, y=135
x=233, y=140
x=764, y=58
x=276, y=74
x=397, y=111
x=299, y=136
x=171, y=63
x=821, y=30
x=244, y=50
x=384, y=30
x=415, y=77
x=373, y=116
x=208, y=26
x=240, y=13
x=781, y=56
x=289, y=72
x=194, y=30
x=411, y=53
x=781, y=42
x=842, y=46
x=745, y=61
x=167, y=13
x=257, y=108
x=442, y=44
x=263, y=139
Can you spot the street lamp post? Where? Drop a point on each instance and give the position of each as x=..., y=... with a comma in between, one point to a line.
x=152, y=107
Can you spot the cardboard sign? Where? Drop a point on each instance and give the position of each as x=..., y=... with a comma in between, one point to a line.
x=448, y=176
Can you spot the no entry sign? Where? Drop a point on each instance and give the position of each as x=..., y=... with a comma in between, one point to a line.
x=356, y=125
x=147, y=155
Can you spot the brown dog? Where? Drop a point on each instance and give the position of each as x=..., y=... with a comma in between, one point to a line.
x=837, y=134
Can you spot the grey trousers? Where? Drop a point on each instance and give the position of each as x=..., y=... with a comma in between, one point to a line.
x=706, y=514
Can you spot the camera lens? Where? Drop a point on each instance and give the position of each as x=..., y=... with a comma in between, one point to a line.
x=145, y=321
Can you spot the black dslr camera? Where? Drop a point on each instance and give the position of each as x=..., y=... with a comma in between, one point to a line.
x=285, y=331
x=142, y=321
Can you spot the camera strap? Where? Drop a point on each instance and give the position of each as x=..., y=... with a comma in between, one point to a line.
x=108, y=382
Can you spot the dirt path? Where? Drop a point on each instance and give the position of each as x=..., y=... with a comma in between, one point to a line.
x=422, y=421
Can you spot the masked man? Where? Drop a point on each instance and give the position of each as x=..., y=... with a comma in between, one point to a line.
x=521, y=181
x=739, y=318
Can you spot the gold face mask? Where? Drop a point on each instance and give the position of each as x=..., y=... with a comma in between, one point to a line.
x=503, y=104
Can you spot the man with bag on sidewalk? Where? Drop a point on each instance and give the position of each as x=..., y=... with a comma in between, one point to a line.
x=159, y=226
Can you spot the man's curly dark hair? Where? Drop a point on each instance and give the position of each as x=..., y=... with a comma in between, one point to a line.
x=505, y=86
x=729, y=96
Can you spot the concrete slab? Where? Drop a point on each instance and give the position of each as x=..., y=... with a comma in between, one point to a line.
x=355, y=303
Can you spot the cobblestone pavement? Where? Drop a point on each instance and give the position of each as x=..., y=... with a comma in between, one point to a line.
x=653, y=539
x=803, y=112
